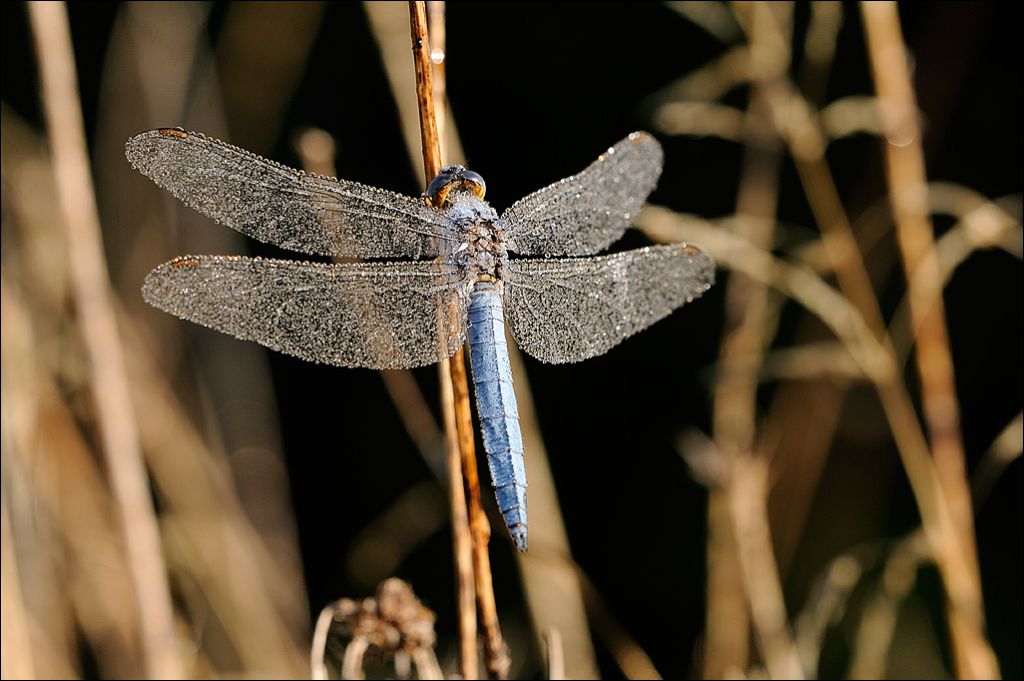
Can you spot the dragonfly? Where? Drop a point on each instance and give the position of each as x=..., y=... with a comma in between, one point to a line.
x=450, y=278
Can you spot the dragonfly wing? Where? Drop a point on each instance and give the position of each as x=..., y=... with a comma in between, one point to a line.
x=283, y=206
x=572, y=309
x=374, y=315
x=587, y=212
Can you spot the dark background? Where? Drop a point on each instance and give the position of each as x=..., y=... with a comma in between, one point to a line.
x=538, y=90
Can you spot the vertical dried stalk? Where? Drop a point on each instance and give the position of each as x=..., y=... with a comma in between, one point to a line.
x=735, y=406
x=462, y=538
x=908, y=190
x=874, y=637
x=556, y=655
x=726, y=647
x=454, y=387
x=745, y=502
x=17, y=662
x=748, y=505
x=96, y=317
x=430, y=142
x=496, y=657
x=623, y=648
x=437, y=40
x=552, y=590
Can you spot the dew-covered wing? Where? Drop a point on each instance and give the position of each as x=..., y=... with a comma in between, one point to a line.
x=374, y=315
x=585, y=213
x=283, y=206
x=571, y=309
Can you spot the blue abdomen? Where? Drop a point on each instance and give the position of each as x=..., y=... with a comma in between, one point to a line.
x=496, y=407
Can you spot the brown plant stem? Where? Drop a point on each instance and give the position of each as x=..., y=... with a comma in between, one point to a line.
x=551, y=589
x=496, y=658
x=96, y=317
x=726, y=646
x=727, y=618
x=556, y=654
x=907, y=185
x=454, y=387
x=17, y=662
x=749, y=327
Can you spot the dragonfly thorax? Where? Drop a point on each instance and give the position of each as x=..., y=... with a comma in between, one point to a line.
x=481, y=248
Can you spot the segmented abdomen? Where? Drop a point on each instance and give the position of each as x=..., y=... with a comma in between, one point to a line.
x=496, y=407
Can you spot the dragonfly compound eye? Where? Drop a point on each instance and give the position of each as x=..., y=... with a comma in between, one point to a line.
x=474, y=182
x=450, y=178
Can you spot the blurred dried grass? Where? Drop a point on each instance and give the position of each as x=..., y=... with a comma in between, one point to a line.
x=784, y=114
x=205, y=412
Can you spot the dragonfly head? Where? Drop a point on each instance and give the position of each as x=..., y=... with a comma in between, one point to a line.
x=453, y=178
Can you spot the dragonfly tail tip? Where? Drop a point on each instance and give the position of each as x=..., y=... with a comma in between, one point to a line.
x=519, y=537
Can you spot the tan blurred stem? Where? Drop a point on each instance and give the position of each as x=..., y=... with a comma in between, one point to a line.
x=159, y=59
x=207, y=529
x=907, y=186
x=847, y=321
x=820, y=48
x=17, y=658
x=627, y=653
x=826, y=604
x=712, y=80
x=982, y=224
x=55, y=488
x=556, y=654
x=454, y=386
x=437, y=42
x=58, y=506
x=735, y=406
x=874, y=356
x=877, y=624
x=728, y=619
x=203, y=517
x=555, y=589
x=388, y=21
x=73, y=520
x=95, y=314
x=726, y=647
x=874, y=635
x=17, y=650
x=748, y=505
x=1004, y=450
